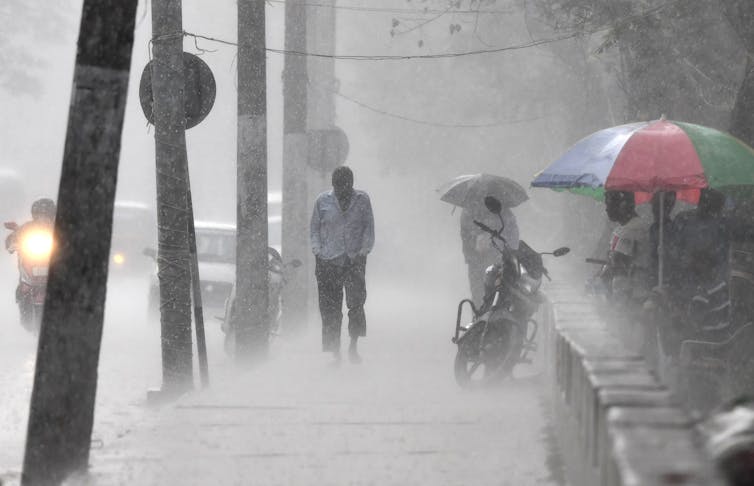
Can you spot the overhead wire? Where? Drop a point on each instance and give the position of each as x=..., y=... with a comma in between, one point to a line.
x=404, y=57
x=398, y=11
x=374, y=109
x=491, y=124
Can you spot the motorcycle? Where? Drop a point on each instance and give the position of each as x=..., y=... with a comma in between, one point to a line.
x=502, y=331
x=279, y=272
x=33, y=243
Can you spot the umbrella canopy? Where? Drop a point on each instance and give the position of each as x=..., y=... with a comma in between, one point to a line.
x=470, y=190
x=653, y=156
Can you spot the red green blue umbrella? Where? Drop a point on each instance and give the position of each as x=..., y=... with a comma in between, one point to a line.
x=654, y=156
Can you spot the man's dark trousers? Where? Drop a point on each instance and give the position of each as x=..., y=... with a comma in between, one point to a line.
x=332, y=277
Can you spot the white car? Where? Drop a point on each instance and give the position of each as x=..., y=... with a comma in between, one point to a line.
x=216, y=253
x=134, y=228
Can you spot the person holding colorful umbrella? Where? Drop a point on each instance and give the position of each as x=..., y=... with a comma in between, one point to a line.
x=649, y=157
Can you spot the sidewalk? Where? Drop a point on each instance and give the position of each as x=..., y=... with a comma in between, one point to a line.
x=397, y=418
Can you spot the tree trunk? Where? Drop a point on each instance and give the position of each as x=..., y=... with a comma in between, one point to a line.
x=252, y=291
x=742, y=117
x=174, y=273
x=65, y=379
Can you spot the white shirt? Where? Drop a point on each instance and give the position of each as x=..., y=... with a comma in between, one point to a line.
x=336, y=233
x=632, y=240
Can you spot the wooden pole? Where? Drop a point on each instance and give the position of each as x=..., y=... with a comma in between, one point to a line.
x=174, y=271
x=196, y=292
x=65, y=378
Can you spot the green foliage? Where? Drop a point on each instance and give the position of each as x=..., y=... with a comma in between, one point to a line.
x=428, y=12
x=740, y=14
x=676, y=57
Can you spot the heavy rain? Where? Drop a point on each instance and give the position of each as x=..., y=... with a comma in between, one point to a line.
x=377, y=242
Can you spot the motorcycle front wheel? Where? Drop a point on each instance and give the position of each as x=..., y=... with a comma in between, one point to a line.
x=31, y=316
x=479, y=364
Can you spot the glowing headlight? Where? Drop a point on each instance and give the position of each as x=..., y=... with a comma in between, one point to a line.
x=119, y=258
x=37, y=245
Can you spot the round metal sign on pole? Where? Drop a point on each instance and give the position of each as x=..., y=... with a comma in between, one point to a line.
x=327, y=148
x=201, y=90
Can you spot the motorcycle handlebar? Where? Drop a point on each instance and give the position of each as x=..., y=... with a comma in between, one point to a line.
x=596, y=261
x=485, y=228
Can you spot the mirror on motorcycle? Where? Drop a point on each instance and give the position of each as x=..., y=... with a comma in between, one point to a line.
x=561, y=251
x=296, y=263
x=493, y=204
x=150, y=252
x=11, y=225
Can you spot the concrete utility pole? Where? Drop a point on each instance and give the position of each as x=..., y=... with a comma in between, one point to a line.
x=295, y=237
x=323, y=84
x=251, y=320
x=168, y=86
x=321, y=97
x=65, y=378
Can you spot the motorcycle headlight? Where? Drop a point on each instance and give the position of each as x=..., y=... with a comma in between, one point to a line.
x=529, y=284
x=37, y=245
x=491, y=276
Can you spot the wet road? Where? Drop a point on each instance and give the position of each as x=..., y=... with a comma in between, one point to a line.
x=397, y=418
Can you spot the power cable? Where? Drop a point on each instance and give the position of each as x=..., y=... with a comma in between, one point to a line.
x=493, y=124
x=398, y=11
x=404, y=57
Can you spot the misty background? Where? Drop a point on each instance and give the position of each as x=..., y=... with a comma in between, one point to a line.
x=411, y=124
x=560, y=70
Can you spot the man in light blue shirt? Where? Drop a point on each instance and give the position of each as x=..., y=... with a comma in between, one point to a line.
x=342, y=235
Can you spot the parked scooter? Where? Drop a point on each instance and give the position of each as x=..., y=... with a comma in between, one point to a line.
x=33, y=243
x=503, y=330
x=279, y=273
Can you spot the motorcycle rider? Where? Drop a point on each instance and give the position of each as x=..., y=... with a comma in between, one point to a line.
x=42, y=215
x=39, y=241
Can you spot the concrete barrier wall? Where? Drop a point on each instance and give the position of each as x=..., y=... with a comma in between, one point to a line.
x=616, y=424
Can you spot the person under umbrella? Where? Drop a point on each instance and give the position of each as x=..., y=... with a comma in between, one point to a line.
x=701, y=265
x=468, y=192
x=478, y=251
x=626, y=273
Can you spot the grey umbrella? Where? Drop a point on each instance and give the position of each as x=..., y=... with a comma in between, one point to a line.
x=470, y=190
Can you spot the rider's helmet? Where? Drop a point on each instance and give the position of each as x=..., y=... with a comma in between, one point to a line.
x=43, y=209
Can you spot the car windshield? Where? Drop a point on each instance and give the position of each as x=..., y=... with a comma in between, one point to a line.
x=215, y=246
